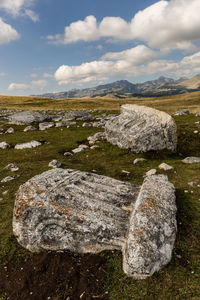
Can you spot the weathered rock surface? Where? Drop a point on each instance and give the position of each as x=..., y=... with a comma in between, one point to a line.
x=65, y=124
x=191, y=160
x=152, y=230
x=84, y=212
x=27, y=117
x=28, y=145
x=142, y=129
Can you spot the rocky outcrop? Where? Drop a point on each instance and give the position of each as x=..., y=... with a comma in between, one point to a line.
x=142, y=129
x=84, y=212
x=27, y=118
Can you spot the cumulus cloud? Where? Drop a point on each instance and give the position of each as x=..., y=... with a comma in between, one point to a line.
x=2, y=74
x=118, y=65
x=19, y=7
x=41, y=84
x=18, y=86
x=174, y=24
x=7, y=33
x=32, y=15
x=138, y=54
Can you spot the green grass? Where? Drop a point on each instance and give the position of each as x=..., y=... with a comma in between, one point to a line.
x=179, y=279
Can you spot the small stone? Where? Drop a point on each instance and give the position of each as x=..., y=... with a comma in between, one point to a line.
x=165, y=167
x=7, y=179
x=197, y=114
x=77, y=150
x=55, y=163
x=86, y=125
x=186, y=191
x=182, y=112
x=29, y=128
x=192, y=183
x=68, y=154
x=196, y=131
x=4, y=145
x=191, y=160
x=46, y=125
x=11, y=167
x=137, y=160
x=1, y=199
x=10, y=130
x=151, y=172
x=94, y=147
x=126, y=172
x=83, y=146
x=5, y=192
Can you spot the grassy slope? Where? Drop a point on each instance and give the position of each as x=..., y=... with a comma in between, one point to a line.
x=169, y=104
x=180, y=279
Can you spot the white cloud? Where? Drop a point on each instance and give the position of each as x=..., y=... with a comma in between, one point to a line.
x=7, y=33
x=34, y=75
x=125, y=66
x=2, y=74
x=41, y=84
x=32, y=15
x=18, y=86
x=47, y=75
x=174, y=24
x=138, y=54
x=19, y=7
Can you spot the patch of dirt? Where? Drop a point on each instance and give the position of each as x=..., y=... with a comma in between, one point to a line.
x=55, y=276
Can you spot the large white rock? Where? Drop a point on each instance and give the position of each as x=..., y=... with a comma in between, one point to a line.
x=27, y=117
x=28, y=145
x=142, y=129
x=84, y=212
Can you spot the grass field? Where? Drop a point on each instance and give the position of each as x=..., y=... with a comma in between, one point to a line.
x=178, y=280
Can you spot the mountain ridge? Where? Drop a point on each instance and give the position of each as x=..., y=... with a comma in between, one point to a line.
x=162, y=86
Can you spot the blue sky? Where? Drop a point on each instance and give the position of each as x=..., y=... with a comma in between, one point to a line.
x=51, y=46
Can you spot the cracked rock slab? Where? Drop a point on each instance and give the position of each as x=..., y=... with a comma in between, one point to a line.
x=142, y=129
x=85, y=212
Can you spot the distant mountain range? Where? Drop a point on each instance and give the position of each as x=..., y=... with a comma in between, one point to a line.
x=162, y=86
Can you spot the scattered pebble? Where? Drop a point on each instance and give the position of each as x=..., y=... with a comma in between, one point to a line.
x=165, y=167
x=11, y=167
x=68, y=154
x=126, y=172
x=137, y=160
x=4, y=145
x=55, y=163
x=151, y=172
x=7, y=178
x=10, y=130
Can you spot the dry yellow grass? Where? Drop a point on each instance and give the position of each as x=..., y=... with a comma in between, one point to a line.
x=169, y=104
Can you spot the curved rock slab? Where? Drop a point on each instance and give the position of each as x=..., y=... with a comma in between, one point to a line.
x=72, y=210
x=142, y=129
x=152, y=229
x=84, y=212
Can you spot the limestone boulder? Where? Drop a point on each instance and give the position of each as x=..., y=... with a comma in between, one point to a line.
x=27, y=118
x=142, y=129
x=85, y=212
